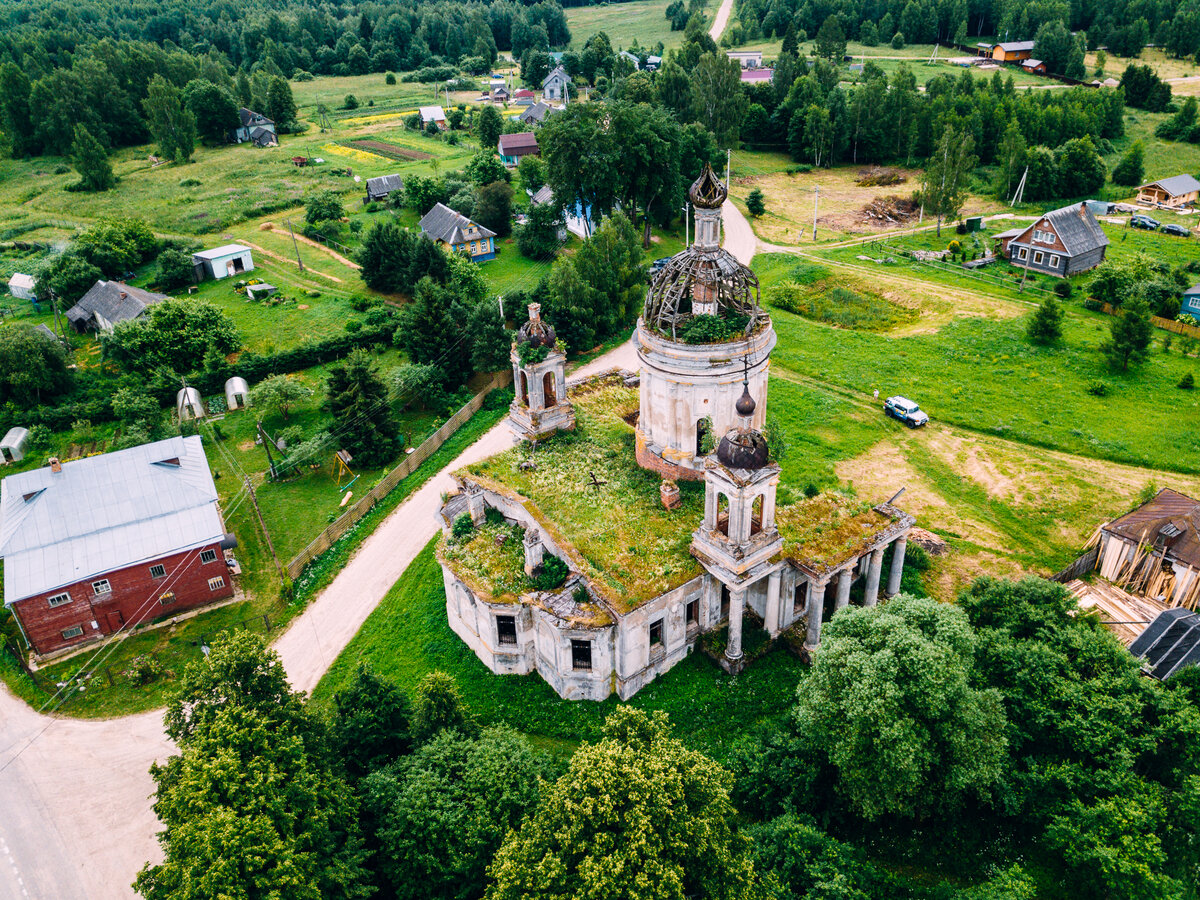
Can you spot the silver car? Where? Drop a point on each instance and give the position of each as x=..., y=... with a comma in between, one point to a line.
x=906, y=411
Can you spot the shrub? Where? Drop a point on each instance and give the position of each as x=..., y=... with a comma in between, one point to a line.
x=1098, y=389
x=389, y=78
x=1187, y=382
x=462, y=526
x=301, y=75
x=550, y=574
x=755, y=203
x=351, y=102
x=189, y=182
x=1091, y=303
x=1187, y=319
x=145, y=669
x=1063, y=289
x=898, y=40
x=706, y=329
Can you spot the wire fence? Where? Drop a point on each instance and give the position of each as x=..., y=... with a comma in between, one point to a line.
x=428, y=447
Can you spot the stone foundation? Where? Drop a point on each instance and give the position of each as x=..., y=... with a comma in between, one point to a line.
x=655, y=463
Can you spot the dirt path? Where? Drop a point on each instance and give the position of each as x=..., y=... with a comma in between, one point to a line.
x=720, y=20
x=304, y=239
x=283, y=259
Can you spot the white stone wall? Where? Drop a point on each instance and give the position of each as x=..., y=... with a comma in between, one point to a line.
x=684, y=383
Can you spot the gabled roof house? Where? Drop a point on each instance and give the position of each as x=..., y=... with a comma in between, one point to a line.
x=458, y=233
x=514, y=146
x=1063, y=242
x=99, y=544
x=1176, y=191
x=109, y=303
x=254, y=127
x=379, y=188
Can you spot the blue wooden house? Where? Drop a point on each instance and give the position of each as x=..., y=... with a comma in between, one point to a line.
x=1190, y=302
x=458, y=233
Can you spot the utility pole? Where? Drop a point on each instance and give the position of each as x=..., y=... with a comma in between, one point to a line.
x=728, y=156
x=295, y=246
x=58, y=326
x=266, y=442
x=816, y=200
x=263, y=525
x=686, y=243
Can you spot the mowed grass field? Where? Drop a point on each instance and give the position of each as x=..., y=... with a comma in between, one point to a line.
x=642, y=20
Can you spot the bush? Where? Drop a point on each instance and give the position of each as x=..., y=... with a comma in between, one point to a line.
x=351, y=102
x=144, y=669
x=301, y=75
x=1063, y=289
x=389, y=78
x=706, y=330
x=755, y=203
x=1091, y=303
x=462, y=526
x=1187, y=382
x=898, y=40
x=1098, y=389
x=550, y=574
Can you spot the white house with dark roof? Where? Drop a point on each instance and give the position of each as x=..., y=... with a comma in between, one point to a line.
x=108, y=304
x=554, y=85
x=1173, y=192
x=99, y=544
x=254, y=127
x=458, y=233
x=1063, y=242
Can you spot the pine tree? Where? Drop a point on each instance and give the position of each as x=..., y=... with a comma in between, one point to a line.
x=1130, y=333
x=358, y=400
x=790, y=44
x=755, y=204
x=281, y=107
x=1045, y=327
x=490, y=340
x=245, y=94
x=91, y=162
x=489, y=127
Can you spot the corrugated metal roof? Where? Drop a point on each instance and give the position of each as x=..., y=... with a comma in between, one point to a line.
x=218, y=252
x=432, y=114
x=1167, y=508
x=115, y=301
x=1016, y=46
x=21, y=280
x=1075, y=226
x=1176, y=185
x=103, y=513
x=521, y=141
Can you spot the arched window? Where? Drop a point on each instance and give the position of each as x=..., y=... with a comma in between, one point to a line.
x=756, y=515
x=524, y=390
x=548, y=395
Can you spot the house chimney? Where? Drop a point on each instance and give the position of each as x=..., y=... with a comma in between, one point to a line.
x=55, y=465
x=123, y=295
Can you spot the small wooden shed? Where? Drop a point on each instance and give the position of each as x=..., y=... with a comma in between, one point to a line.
x=237, y=393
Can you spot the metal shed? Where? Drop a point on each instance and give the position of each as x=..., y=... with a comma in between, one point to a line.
x=12, y=448
x=189, y=404
x=237, y=393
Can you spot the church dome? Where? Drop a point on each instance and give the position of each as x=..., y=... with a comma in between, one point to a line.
x=707, y=191
x=743, y=448
x=536, y=332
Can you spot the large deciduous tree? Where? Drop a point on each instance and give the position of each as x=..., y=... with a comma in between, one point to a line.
x=493, y=207
x=33, y=366
x=358, y=400
x=637, y=814
x=890, y=705
x=250, y=805
x=171, y=123
x=488, y=127
x=581, y=158
x=947, y=174
x=279, y=394
x=612, y=265
x=214, y=109
x=175, y=334
x=91, y=162
x=718, y=101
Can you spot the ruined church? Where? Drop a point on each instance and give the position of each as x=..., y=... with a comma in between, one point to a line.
x=641, y=515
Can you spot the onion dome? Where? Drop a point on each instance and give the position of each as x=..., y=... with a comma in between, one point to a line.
x=743, y=448
x=707, y=191
x=535, y=332
x=745, y=405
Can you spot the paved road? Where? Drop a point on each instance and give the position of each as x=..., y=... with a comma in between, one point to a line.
x=76, y=819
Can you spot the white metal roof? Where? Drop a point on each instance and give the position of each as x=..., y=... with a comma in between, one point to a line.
x=432, y=114
x=15, y=437
x=20, y=280
x=218, y=252
x=104, y=513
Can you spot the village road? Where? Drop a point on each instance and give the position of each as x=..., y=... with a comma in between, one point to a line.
x=720, y=20
x=76, y=819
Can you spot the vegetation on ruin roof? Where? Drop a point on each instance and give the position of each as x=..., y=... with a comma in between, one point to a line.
x=491, y=561
x=822, y=531
x=618, y=535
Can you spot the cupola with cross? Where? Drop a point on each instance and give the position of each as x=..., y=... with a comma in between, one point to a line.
x=540, y=406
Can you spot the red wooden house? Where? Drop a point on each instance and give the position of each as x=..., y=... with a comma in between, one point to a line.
x=105, y=542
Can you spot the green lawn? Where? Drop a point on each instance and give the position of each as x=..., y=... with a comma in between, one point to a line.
x=1162, y=158
x=407, y=636
x=332, y=90
x=644, y=21
x=983, y=375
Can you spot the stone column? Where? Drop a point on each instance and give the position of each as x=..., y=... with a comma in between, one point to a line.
x=898, y=548
x=535, y=550
x=871, y=597
x=816, y=605
x=475, y=505
x=710, y=509
x=733, y=650
x=560, y=379
x=843, y=589
x=772, y=609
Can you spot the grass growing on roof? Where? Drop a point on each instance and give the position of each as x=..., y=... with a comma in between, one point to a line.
x=407, y=636
x=620, y=537
x=827, y=529
x=491, y=560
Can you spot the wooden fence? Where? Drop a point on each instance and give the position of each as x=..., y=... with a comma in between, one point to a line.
x=429, y=446
x=1159, y=322
x=1081, y=566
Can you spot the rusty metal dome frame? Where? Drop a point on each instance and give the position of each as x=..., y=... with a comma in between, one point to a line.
x=669, y=299
x=708, y=191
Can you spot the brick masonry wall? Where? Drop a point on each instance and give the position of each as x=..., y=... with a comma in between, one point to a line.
x=135, y=597
x=648, y=460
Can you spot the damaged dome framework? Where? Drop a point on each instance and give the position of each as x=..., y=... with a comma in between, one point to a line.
x=704, y=279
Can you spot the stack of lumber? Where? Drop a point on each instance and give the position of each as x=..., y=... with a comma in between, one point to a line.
x=1125, y=614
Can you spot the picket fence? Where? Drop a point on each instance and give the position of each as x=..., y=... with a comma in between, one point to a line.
x=429, y=446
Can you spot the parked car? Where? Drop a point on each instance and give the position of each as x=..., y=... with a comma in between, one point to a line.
x=1177, y=230
x=1144, y=222
x=906, y=411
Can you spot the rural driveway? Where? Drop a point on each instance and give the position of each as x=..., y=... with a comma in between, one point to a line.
x=76, y=819
x=721, y=20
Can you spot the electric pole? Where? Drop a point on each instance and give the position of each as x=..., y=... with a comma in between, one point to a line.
x=263, y=525
x=266, y=442
x=728, y=156
x=816, y=199
x=295, y=246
